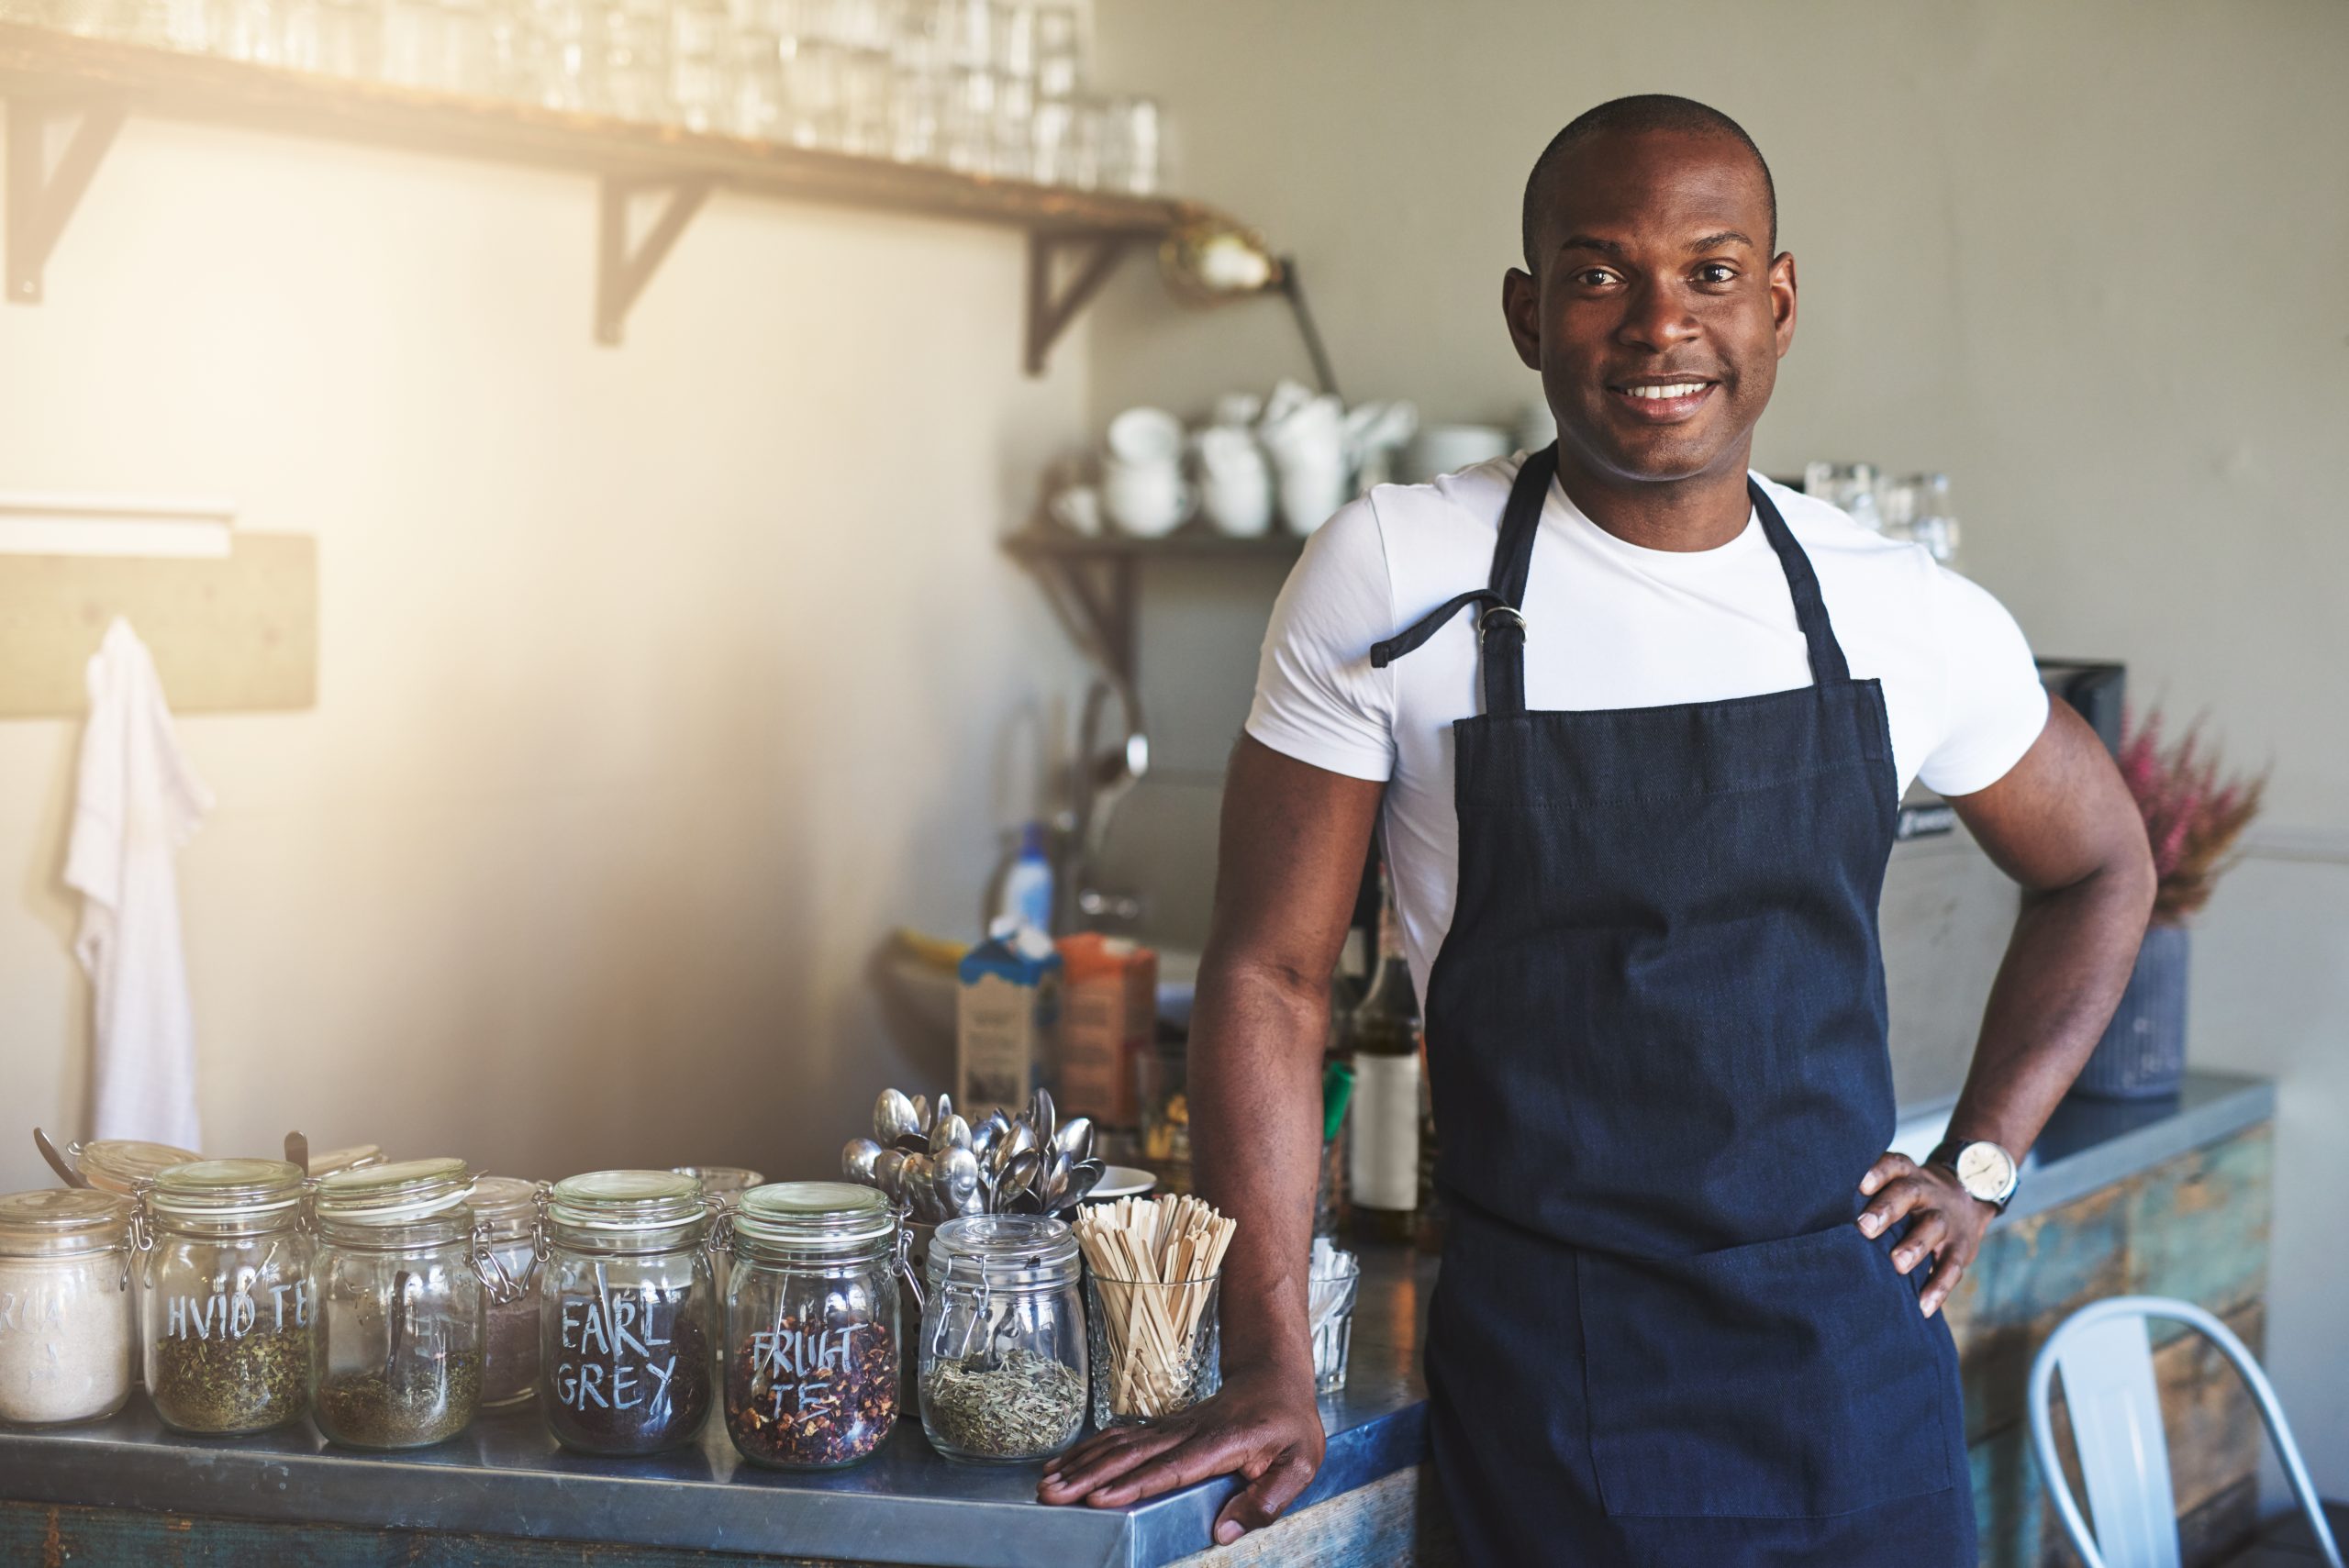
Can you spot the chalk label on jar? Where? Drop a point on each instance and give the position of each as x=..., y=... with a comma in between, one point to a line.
x=225, y=1314
x=617, y=1366
x=801, y=1368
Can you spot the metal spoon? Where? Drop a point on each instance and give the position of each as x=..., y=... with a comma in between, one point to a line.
x=1041, y=1113
x=945, y=1106
x=960, y=1178
x=1073, y=1138
x=949, y=1131
x=888, y=1173
x=57, y=1162
x=857, y=1158
x=893, y=1118
x=297, y=1151
x=922, y=1113
x=1020, y=1174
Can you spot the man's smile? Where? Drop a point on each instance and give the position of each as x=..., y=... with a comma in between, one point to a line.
x=1663, y=399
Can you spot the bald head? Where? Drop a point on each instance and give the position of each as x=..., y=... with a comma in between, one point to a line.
x=1634, y=115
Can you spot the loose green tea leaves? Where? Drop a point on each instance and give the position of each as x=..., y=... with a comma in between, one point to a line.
x=373, y=1410
x=233, y=1385
x=1026, y=1406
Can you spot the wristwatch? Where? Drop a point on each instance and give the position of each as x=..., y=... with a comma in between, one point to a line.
x=1982, y=1168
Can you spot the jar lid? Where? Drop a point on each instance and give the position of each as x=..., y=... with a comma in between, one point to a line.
x=821, y=1217
x=722, y=1180
x=1012, y=1249
x=228, y=1189
x=395, y=1194
x=125, y=1165
x=506, y=1203
x=625, y=1200
x=63, y=1220
x=354, y=1158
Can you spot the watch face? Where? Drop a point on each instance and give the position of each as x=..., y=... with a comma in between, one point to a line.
x=1985, y=1171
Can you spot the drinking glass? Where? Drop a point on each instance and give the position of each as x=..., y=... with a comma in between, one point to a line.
x=1059, y=65
x=635, y=84
x=700, y=63
x=865, y=125
x=1155, y=1349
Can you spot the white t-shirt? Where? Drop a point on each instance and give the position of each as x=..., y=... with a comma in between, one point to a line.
x=1612, y=625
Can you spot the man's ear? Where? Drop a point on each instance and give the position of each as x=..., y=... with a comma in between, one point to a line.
x=1782, y=299
x=1522, y=307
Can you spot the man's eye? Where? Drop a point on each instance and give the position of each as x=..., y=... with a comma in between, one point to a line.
x=1594, y=277
x=1716, y=272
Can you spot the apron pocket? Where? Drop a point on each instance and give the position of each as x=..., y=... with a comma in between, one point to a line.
x=1785, y=1379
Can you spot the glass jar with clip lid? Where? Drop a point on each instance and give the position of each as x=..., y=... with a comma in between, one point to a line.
x=403, y=1276
x=67, y=1331
x=626, y=1311
x=126, y=1167
x=1003, y=1350
x=811, y=1324
x=225, y=1263
x=506, y=1213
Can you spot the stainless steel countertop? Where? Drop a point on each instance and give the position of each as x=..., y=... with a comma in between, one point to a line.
x=505, y=1476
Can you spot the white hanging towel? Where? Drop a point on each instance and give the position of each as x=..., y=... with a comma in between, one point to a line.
x=136, y=803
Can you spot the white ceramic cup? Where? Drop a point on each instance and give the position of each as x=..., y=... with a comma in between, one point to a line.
x=1146, y=436
x=1146, y=500
x=1077, y=509
x=1312, y=487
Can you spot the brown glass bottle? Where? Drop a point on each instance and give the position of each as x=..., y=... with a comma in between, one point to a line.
x=1382, y=1037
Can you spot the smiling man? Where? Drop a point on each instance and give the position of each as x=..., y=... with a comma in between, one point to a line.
x=1633, y=724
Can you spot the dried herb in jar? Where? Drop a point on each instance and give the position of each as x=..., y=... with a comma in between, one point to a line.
x=804, y=1393
x=634, y=1369
x=227, y=1383
x=1025, y=1406
x=373, y=1409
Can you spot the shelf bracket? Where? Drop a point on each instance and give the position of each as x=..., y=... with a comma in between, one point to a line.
x=1049, y=315
x=40, y=203
x=621, y=276
x=1099, y=609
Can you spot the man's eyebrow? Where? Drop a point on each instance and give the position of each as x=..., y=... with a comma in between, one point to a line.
x=1591, y=242
x=1726, y=236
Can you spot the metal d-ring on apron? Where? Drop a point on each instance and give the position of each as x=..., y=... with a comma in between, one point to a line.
x=1656, y=1048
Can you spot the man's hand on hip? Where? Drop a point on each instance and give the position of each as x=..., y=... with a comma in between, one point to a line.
x=1945, y=1222
x=1263, y=1426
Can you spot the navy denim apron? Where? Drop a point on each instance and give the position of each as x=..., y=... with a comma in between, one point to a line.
x=1656, y=1048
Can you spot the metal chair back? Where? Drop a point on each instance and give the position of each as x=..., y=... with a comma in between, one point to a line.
x=2106, y=1356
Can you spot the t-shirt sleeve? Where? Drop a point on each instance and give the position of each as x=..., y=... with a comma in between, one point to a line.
x=1317, y=699
x=1995, y=706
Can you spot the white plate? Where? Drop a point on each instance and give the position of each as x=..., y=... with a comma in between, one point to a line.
x=1121, y=1181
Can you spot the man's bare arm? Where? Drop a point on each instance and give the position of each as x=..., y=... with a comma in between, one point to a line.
x=2062, y=824
x=1294, y=841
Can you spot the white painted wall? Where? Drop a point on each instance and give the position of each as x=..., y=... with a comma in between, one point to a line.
x=656, y=684
x=2085, y=258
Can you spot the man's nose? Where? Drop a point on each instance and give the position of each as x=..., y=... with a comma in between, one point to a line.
x=1656, y=318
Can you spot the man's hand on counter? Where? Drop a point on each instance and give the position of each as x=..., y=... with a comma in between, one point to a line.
x=1945, y=1222
x=1263, y=1426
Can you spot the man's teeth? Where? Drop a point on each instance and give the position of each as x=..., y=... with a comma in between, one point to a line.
x=1677, y=389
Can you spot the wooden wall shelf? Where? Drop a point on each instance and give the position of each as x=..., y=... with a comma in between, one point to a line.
x=1095, y=581
x=48, y=75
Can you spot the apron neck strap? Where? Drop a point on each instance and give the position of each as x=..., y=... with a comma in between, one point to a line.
x=1501, y=623
x=1828, y=667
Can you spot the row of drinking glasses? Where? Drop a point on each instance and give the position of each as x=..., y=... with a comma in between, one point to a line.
x=984, y=87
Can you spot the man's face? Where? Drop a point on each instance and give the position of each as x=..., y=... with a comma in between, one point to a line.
x=1657, y=314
